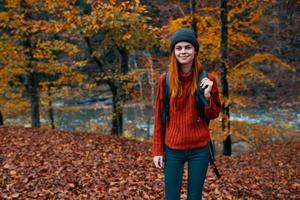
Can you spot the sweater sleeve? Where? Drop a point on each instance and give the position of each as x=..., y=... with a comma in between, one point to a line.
x=214, y=108
x=158, y=135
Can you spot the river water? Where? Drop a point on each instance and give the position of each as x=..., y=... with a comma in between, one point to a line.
x=138, y=119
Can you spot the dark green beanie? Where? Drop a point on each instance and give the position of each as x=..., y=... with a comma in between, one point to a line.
x=186, y=35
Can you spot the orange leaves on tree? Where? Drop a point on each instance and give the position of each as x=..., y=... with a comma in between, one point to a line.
x=28, y=48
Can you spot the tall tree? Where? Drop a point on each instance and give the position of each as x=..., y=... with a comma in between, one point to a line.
x=223, y=69
x=116, y=26
x=31, y=30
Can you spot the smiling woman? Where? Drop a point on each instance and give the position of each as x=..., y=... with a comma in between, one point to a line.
x=185, y=136
x=185, y=53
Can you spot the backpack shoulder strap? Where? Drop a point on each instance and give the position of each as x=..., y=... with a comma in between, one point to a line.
x=167, y=95
x=200, y=99
x=200, y=91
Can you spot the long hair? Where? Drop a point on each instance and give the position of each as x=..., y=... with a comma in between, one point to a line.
x=175, y=87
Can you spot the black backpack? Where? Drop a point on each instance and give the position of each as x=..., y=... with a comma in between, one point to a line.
x=200, y=102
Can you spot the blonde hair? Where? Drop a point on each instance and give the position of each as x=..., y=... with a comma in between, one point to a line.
x=175, y=87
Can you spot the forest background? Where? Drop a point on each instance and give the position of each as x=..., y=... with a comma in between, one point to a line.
x=88, y=66
x=92, y=65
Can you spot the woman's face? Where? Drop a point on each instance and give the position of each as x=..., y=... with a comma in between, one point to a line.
x=184, y=52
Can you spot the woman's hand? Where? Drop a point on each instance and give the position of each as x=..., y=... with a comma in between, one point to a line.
x=207, y=84
x=158, y=161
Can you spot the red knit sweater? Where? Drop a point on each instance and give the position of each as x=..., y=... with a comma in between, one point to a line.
x=184, y=128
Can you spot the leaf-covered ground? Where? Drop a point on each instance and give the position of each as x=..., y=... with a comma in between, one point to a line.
x=45, y=164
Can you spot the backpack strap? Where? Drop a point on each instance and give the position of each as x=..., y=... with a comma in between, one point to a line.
x=167, y=95
x=200, y=90
x=200, y=99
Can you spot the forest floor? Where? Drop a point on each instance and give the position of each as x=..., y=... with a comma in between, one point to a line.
x=47, y=164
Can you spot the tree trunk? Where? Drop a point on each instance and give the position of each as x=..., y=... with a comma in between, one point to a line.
x=117, y=119
x=118, y=94
x=32, y=85
x=224, y=83
x=1, y=119
x=33, y=92
x=51, y=116
x=193, y=10
x=34, y=97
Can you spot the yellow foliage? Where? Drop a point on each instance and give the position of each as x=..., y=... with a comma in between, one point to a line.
x=70, y=109
x=13, y=106
x=124, y=25
x=4, y=18
x=17, y=59
x=262, y=57
x=127, y=36
x=238, y=38
x=12, y=3
x=248, y=72
x=30, y=2
x=254, y=134
x=242, y=101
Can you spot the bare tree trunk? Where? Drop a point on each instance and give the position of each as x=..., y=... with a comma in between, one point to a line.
x=193, y=5
x=51, y=115
x=117, y=119
x=1, y=119
x=224, y=83
x=33, y=85
x=118, y=94
x=34, y=97
x=152, y=85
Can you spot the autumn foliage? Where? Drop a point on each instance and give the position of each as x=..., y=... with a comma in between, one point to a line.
x=45, y=164
x=60, y=52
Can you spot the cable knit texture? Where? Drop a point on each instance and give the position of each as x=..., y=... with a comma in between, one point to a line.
x=184, y=128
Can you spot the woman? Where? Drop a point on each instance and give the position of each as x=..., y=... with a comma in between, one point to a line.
x=185, y=136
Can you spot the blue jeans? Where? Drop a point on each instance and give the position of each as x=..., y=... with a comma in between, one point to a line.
x=174, y=160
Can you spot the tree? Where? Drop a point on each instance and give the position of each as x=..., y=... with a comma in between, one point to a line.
x=116, y=26
x=32, y=32
x=223, y=69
